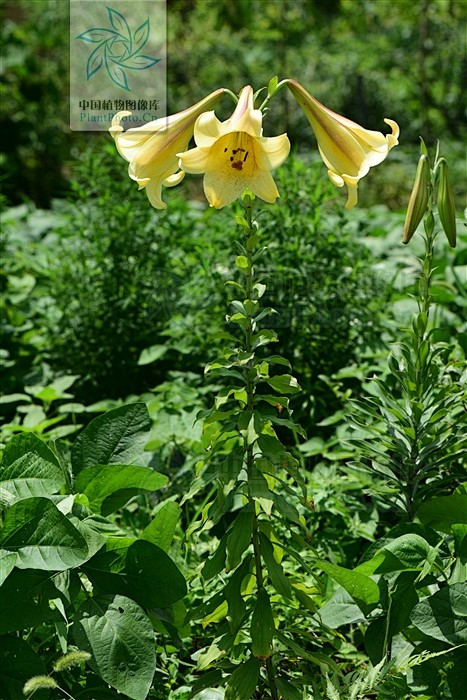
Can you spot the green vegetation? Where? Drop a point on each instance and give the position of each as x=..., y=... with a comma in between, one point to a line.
x=234, y=453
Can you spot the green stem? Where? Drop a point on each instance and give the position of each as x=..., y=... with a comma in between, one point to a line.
x=268, y=99
x=422, y=357
x=250, y=391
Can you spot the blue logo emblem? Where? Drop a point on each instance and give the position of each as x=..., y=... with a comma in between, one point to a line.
x=117, y=49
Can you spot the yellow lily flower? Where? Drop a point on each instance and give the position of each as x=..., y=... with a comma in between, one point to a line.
x=152, y=150
x=347, y=149
x=234, y=155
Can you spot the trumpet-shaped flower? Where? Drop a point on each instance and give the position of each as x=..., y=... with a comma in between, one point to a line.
x=234, y=155
x=347, y=149
x=152, y=149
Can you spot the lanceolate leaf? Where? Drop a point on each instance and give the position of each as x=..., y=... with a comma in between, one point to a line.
x=30, y=468
x=119, y=636
x=239, y=536
x=117, y=437
x=242, y=683
x=262, y=626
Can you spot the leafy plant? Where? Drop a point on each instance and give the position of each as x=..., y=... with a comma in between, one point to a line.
x=69, y=572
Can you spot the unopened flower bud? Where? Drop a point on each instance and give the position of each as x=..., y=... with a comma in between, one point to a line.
x=446, y=205
x=418, y=199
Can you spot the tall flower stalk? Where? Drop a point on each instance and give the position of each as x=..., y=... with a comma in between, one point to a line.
x=254, y=476
x=415, y=441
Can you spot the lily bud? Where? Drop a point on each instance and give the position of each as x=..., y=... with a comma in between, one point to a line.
x=418, y=199
x=446, y=205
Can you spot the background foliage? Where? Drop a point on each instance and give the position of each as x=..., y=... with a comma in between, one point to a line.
x=111, y=311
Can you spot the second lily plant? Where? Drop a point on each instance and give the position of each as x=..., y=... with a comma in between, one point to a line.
x=234, y=155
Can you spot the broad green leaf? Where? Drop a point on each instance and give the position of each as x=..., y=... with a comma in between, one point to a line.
x=239, y=536
x=99, y=482
x=141, y=571
x=162, y=528
x=444, y=511
x=119, y=636
x=7, y=563
x=362, y=588
x=284, y=384
x=26, y=595
x=29, y=468
x=404, y=553
x=340, y=610
x=443, y=615
x=242, y=683
x=262, y=626
x=117, y=437
x=152, y=354
x=18, y=663
x=52, y=542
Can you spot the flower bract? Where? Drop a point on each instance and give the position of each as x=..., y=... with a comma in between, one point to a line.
x=152, y=149
x=234, y=155
x=347, y=149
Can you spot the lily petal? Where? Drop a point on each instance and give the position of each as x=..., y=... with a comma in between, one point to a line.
x=234, y=156
x=347, y=149
x=152, y=150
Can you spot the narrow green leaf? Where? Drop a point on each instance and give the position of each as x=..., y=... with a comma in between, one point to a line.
x=216, y=562
x=242, y=683
x=262, y=626
x=275, y=570
x=239, y=536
